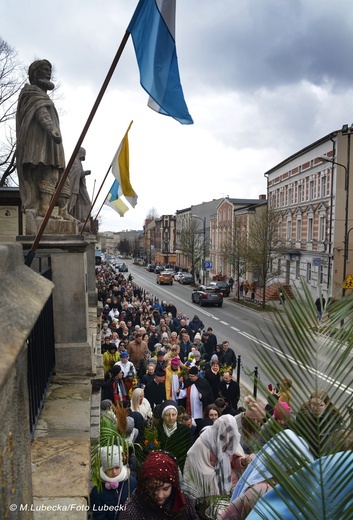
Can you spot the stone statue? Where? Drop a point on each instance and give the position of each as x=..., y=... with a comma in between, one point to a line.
x=79, y=204
x=40, y=153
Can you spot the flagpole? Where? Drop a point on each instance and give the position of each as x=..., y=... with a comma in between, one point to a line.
x=31, y=253
x=100, y=209
x=95, y=200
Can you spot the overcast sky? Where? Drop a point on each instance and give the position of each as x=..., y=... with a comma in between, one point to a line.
x=261, y=78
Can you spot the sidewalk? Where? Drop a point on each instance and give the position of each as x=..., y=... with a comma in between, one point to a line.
x=60, y=450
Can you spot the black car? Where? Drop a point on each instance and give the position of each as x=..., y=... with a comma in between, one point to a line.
x=151, y=268
x=207, y=295
x=186, y=278
x=223, y=286
x=123, y=268
x=158, y=269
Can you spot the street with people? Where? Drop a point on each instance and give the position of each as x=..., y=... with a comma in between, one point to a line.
x=188, y=391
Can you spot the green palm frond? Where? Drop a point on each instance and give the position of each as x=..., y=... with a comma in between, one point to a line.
x=109, y=436
x=316, y=355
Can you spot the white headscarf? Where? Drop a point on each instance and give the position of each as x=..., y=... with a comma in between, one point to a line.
x=223, y=439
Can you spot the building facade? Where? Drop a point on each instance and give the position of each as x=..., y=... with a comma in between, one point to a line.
x=311, y=193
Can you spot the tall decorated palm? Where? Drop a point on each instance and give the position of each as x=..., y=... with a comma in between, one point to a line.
x=316, y=354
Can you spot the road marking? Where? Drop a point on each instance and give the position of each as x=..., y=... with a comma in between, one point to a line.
x=234, y=328
x=224, y=323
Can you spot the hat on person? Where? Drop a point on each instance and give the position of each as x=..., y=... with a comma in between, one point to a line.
x=168, y=405
x=124, y=354
x=111, y=457
x=152, y=361
x=175, y=362
x=281, y=410
x=194, y=370
x=197, y=335
x=130, y=374
x=254, y=409
x=106, y=404
x=159, y=372
x=131, y=431
x=165, y=335
x=115, y=370
x=197, y=354
x=214, y=357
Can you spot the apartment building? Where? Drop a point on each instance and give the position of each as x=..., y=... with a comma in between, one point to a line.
x=310, y=191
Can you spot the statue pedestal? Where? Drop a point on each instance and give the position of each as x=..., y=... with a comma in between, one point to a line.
x=68, y=258
x=54, y=226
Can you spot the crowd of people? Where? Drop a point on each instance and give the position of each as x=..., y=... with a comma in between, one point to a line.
x=170, y=387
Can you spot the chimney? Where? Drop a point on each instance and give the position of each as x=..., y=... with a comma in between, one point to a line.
x=262, y=197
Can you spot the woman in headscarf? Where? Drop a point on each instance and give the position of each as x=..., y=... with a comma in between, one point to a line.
x=158, y=494
x=173, y=436
x=214, y=460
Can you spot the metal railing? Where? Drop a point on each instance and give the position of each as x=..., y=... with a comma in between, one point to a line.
x=41, y=351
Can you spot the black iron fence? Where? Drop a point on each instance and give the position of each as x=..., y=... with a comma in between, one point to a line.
x=41, y=351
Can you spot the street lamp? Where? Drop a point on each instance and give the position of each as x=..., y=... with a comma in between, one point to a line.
x=346, y=232
x=204, y=247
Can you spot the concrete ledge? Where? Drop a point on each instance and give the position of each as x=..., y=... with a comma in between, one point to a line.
x=61, y=467
x=75, y=358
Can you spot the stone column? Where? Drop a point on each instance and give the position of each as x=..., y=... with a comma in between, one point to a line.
x=73, y=352
x=91, y=271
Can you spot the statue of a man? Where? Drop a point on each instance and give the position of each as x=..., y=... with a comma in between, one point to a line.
x=40, y=153
x=79, y=203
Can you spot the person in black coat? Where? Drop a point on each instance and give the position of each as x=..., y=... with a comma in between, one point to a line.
x=213, y=376
x=205, y=395
x=230, y=391
x=229, y=357
x=155, y=390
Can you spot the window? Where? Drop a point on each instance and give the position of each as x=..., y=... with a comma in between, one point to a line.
x=321, y=274
x=281, y=199
x=310, y=229
x=290, y=196
x=322, y=228
x=299, y=229
x=279, y=228
x=308, y=272
x=311, y=190
x=323, y=186
x=297, y=269
x=300, y=193
x=289, y=230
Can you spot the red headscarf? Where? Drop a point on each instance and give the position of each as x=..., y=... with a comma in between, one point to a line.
x=160, y=466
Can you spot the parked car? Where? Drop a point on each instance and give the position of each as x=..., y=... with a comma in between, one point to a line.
x=223, y=286
x=151, y=268
x=164, y=278
x=178, y=275
x=186, y=278
x=123, y=268
x=158, y=269
x=207, y=295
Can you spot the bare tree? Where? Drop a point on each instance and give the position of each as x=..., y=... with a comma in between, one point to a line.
x=234, y=250
x=11, y=81
x=263, y=246
x=192, y=244
x=152, y=214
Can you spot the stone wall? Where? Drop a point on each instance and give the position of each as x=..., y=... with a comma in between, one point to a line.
x=23, y=295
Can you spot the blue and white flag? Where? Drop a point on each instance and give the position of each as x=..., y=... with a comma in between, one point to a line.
x=152, y=28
